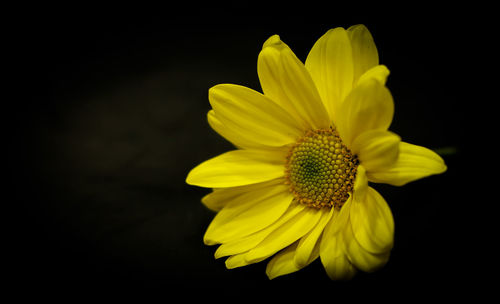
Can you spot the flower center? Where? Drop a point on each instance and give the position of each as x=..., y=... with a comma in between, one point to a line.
x=321, y=170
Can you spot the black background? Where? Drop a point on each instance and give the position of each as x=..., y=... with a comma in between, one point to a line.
x=110, y=116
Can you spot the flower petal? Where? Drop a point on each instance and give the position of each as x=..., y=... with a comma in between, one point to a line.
x=372, y=222
x=235, y=261
x=414, y=162
x=282, y=263
x=238, y=168
x=285, y=80
x=240, y=246
x=378, y=72
x=368, y=107
x=361, y=182
x=339, y=267
x=249, y=212
x=364, y=51
x=330, y=63
x=376, y=149
x=252, y=116
x=335, y=262
x=285, y=235
x=220, y=197
x=305, y=252
x=359, y=257
x=332, y=229
x=230, y=134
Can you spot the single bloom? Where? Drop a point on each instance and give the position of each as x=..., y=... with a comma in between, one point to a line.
x=296, y=186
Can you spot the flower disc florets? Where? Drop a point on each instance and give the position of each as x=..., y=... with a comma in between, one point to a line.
x=321, y=170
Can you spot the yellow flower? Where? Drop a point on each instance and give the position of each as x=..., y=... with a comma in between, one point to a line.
x=296, y=188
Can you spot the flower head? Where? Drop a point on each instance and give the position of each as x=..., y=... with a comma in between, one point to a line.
x=296, y=187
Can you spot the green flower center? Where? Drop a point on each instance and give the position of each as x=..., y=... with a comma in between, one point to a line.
x=321, y=170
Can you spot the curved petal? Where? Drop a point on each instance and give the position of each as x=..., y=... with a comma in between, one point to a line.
x=282, y=263
x=235, y=261
x=308, y=244
x=238, y=168
x=334, y=228
x=414, y=162
x=285, y=235
x=252, y=117
x=338, y=267
x=242, y=245
x=358, y=256
x=376, y=149
x=364, y=51
x=241, y=259
x=285, y=80
x=248, y=213
x=378, y=72
x=372, y=222
x=361, y=183
x=230, y=134
x=335, y=262
x=220, y=197
x=368, y=107
x=245, y=244
x=330, y=63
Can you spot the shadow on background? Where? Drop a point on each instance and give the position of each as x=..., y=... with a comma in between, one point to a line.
x=116, y=117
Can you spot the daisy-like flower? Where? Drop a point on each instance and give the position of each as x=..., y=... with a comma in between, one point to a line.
x=296, y=186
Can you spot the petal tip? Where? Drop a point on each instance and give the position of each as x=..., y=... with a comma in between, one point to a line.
x=189, y=178
x=271, y=274
x=336, y=29
x=209, y=241
x=193, y=177
x=274, y=40
x=442, y=169
x=219, y=253
x=359, y=25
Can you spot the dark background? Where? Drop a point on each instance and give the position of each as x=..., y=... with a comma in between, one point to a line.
x=110, y=116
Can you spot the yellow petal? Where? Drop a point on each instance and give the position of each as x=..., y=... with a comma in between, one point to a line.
x=335, y=262
x=240, y=259
x=236, y=261
x=238, y=168
x=372, y=222
x=305, y=252
x=220, y=197
x=360, y=184
x=376, y=149
x=330, y=63
x=285, y=235
x=252, y=117
x=240, y=245
x=282, y=263
x=368, y=107
x=286, y=81
x=332, y=229
x=338, y=221
x=248, y=213
x=230, y=134
x=339, y=268
x=378, y=72
x=364, y=51
x=414, y=162
x=360, y=257
x=247, y=243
